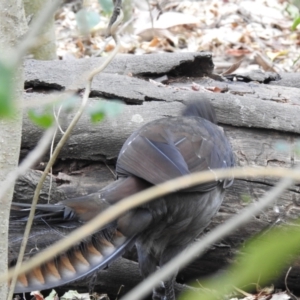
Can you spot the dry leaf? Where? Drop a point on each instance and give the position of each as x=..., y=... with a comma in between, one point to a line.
x=214, y=89
x=37, y=295
x=274, y=55
x=226, y=28
x=233, y=68
x=264, y=62
x=154, y=42
x=195, y=86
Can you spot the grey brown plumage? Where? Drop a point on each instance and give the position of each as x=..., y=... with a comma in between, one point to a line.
x=159, y=151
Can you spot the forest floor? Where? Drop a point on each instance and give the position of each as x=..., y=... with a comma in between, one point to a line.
x=256, y=33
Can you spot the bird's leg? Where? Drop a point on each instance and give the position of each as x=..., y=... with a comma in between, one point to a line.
x=165, y=291
x=158, y=293
x=169, y=253
x=148, y=264
x=169, y=289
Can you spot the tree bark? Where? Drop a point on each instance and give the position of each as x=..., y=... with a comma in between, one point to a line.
x=12, y=28
x=46, y=47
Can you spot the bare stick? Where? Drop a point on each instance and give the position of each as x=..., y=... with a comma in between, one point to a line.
x=145, y=196
x=293, y=297
x=51, y=162
x=43, y=17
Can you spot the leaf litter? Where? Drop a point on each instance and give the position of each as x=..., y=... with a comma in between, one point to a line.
x=257, y=32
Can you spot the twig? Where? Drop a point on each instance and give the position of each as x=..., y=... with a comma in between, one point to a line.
x=286, y=285
x=52, y=145
x=111, y=171
x=99, y=52
x=56, y=116
x=57, y=150
x=119, y=291
x=242, y=292
x=157, y=191
x=40, y=184
x=43, y=17
x=115, y=19
x=151, y=19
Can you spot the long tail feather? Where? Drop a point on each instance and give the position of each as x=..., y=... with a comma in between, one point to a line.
x=79, y=262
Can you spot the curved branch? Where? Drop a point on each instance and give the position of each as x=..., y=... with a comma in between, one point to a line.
x=18, y=269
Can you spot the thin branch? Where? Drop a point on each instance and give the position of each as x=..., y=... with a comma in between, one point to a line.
x=28, y=162
x=293, y=297
x=214, y=236
x=99, y=52
x=40, y=184
x=157, y=191
x=16, y=58
x=56, y=152
x=52, y=145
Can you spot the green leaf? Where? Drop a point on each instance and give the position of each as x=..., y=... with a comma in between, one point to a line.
x=52, y=296
x=246, y=199
x=69, y=104
x=86, y=20
x=101, y=109
x=262, y=260
x=107, y=6
x=296, y=23
x=42, y=117
x=97, y=117
x=6, y=91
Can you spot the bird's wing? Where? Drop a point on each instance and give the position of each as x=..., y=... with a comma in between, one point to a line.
x=168, y=148
x=153, y=160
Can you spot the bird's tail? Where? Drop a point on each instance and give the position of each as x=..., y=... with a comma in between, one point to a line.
x=53, y=222
x=96, y=252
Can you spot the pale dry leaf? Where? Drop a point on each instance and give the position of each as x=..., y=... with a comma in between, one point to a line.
x=260, y=13
x=214, y=89
x=166, y=20
x=71, y=295
x=264, y=62
x=52, y=296
x=280, y=296
x=233, y=67
x=195, y=86
x=37, y=295
x=225, y=28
